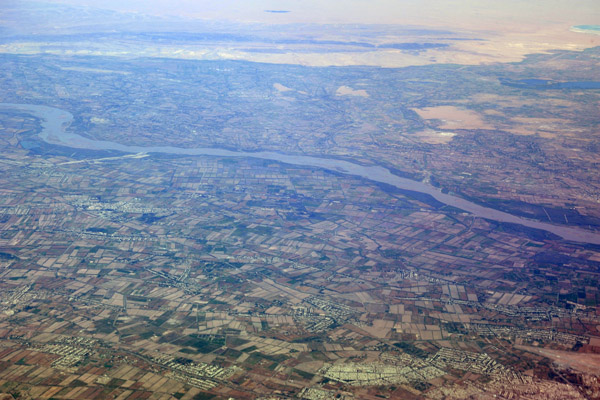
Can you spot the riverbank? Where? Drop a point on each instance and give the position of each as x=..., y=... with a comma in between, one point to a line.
x=54, y=124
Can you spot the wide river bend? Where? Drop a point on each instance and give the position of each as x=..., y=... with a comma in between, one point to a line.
x=54, y=131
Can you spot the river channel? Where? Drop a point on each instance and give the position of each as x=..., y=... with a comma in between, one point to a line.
x=54, y=124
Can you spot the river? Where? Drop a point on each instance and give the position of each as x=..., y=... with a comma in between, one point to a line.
x=54, y=131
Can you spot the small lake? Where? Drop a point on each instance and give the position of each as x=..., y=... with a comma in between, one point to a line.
x=54, y=131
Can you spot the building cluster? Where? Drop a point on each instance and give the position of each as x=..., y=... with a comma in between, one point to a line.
x=315, y=393
x=377, y=373
x=479, y=363
x=201, y=375
x=529, y=334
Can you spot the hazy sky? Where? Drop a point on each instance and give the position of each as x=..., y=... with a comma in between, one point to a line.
x=457, y=13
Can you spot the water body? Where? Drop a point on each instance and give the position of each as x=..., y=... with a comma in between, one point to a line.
x=595, y=29
x=544, y=84
x=54, y=131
